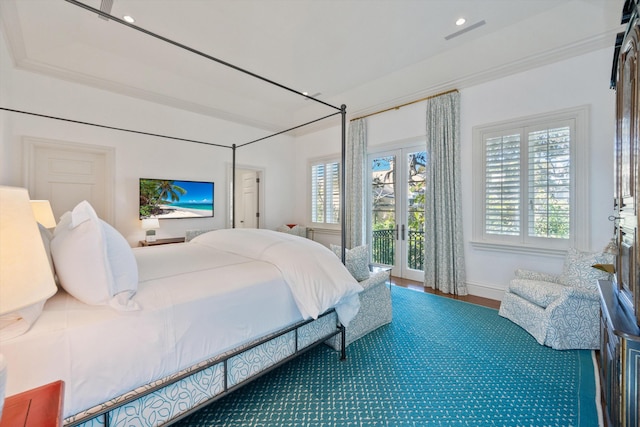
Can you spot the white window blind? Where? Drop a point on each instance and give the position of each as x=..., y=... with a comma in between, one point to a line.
x=549, y=182
x=325, y=193
x=502, y=185
x=526, y=190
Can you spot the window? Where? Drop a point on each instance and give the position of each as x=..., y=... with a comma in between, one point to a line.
x=325, y=192
x=530, y=182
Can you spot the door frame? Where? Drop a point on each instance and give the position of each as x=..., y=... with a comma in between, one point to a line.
x=240, y=169
x=400, y=150
x=30, y=147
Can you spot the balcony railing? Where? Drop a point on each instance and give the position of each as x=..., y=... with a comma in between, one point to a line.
x=383, y=248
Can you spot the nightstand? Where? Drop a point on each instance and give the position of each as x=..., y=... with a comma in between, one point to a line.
x=38, y=407
x=162, y=241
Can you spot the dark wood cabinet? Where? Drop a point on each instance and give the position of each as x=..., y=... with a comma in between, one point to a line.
x=619, y=359
x=627, y=154
x=620, y=298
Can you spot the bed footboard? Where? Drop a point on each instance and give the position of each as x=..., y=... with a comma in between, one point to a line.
x=172, y=398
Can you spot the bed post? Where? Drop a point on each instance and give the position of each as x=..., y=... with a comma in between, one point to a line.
x=343, y=186
x=343, y=342
x=233, y=186
x=343, y=217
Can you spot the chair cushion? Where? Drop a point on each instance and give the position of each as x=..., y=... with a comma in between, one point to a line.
x=539, y=293
x=578, y=270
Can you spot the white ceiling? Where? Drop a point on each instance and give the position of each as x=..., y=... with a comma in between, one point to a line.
x=369, y=55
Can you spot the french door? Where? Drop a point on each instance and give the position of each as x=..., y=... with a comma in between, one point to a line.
x=396, y=210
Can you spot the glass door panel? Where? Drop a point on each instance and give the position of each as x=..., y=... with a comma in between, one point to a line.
x=383, y=210
x=397, y=211
x=413, y=239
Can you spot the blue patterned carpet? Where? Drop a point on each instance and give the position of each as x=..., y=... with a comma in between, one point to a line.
x=440, y=362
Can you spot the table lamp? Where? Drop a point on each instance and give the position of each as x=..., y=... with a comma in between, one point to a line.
x=43, y=213
x=25, y=273
x=150, y=225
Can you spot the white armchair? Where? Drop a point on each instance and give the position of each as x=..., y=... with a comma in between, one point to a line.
x=560, y=311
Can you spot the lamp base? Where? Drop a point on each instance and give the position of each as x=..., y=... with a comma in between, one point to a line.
x=150, y=236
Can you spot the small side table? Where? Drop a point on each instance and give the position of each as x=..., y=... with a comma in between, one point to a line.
x=162, y=241
x=38, y=407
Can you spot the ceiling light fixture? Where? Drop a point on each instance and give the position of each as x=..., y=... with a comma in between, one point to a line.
x=129, y=19
x=460, y=21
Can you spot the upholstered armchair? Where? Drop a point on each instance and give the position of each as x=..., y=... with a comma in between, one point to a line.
x=560, y=311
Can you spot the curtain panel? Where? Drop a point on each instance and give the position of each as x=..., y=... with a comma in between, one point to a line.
x=354, y=180
x=444, y=267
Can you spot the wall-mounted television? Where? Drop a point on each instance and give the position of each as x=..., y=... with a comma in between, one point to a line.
x=170, y=199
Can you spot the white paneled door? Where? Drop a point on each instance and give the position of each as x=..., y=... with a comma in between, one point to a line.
x=248, y=216
x=66, y=174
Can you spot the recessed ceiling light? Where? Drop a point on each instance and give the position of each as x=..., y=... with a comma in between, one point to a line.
x=129, y=19
x=460, y=21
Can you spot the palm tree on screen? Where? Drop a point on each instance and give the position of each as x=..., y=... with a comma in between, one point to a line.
x=168, y=191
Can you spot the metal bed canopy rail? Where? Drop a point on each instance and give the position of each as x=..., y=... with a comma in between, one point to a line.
x=340, y=110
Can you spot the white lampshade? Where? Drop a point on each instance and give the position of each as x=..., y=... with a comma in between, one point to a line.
x=150, y=224
x=43, y=213
x=25, y=273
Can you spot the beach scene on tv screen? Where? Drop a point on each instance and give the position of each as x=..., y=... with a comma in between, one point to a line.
x=165, y=199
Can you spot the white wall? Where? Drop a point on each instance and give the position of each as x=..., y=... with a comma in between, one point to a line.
x=137, y=155
x=582, y=80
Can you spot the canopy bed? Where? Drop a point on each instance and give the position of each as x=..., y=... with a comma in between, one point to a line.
x=189, y=324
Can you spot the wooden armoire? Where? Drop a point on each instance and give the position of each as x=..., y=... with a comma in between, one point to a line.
x=620, y=298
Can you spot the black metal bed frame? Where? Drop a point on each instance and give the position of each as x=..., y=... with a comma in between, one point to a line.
x=340, y=329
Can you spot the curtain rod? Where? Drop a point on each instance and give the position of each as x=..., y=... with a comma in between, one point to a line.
x=397, y=107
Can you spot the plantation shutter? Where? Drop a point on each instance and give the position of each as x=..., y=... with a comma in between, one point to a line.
x=502, y=185
x=530, y=190
x=317, y=193
x=333, y=189
x=549, y=182
x=325, y=193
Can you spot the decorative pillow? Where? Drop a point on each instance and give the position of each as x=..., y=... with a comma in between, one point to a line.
x=578, y=270
x=296, y=230
x=356, y=261
x=93, y=261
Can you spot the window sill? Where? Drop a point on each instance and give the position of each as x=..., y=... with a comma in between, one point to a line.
x=325, y=230
x=511, y=248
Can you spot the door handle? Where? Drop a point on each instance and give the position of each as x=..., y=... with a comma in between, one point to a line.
x=402, y=231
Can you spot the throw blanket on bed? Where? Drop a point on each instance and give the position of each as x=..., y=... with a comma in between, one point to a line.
x=316, y=277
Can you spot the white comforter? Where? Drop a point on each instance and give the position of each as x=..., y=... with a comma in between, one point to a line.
x=316, y=277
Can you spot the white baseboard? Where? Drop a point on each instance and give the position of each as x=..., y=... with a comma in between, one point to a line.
x=486, y=291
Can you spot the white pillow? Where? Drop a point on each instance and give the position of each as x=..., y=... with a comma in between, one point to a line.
x=356, y=261
x=93, y=261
